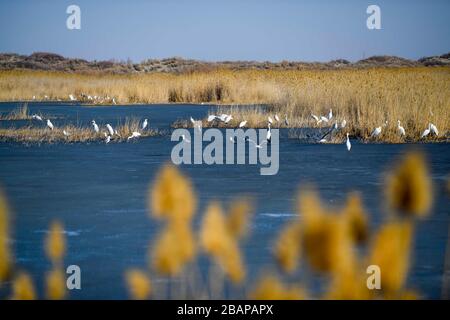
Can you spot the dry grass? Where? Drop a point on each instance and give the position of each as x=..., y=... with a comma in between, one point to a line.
x=365, y=98
x=32, y=134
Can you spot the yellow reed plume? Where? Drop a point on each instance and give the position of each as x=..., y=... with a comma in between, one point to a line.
x=55, y=243
x=271, y=288
x=5, y=254
x=238, y=217
x=214, y=235
x=56, y=284
x=232, y=264
x=288, y=247
x=409, y=187
x=174, y=248
x=391, y=251
x=356, y=217
x=138, y=283
x=166, y=257
x=326, y=237
x=172, y=196
x=348, y=285
x=217, y=241
x=23, y=288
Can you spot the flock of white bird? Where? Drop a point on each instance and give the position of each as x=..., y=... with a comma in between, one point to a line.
x=85, y=97
x=431, y=129
x=226, y=118
x=110, y=131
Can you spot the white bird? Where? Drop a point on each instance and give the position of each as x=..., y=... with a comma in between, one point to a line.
x=35, y=116
x=315, y=117
x=134, y=134
x=114, y=100
x=34, y=97
x=222, y=117
x=330, y=114
x=427, y=131
x=242, y=124
x=270, y=120
x=349, y=145
x=376, y=132
x=185, y=139
x=108, y=139
x=49, y=124
x=65, y=133
x=211, y=118
x=110, y=129
x=269, y=134
x=343, y=123
x=322, y=140
x=401, y=129
x=324, y=119
x=96, y=129
x=71, y=97
x=277, y=119
x=258, y=146
x=434, y=129
x=228, y=118
x=145, y=124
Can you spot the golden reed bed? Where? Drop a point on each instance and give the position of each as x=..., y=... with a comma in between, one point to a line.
x=365, y=98
x=335, y=243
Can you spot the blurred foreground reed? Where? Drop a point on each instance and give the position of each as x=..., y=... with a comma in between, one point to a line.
x=336, y=244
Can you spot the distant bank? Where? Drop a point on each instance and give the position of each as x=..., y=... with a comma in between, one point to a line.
x=44, y=61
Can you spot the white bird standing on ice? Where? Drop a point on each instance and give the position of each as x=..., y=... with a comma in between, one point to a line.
x=330, y=114
x=269, y=134
x=348, y=144
x=96, y=129
x=434, y=129
x=49, y=124
x=183, y=137
x=110, y=129
x=145, y=124
x=35, y=116
x=401, y=129
x=243, y=124
x=134, y=134
x=427, y=131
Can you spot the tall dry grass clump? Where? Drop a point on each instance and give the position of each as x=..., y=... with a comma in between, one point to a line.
x=19, y=113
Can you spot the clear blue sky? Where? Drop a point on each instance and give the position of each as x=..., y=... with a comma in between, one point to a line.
x=309, y=30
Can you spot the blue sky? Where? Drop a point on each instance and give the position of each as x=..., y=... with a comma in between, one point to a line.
x=309, y=30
